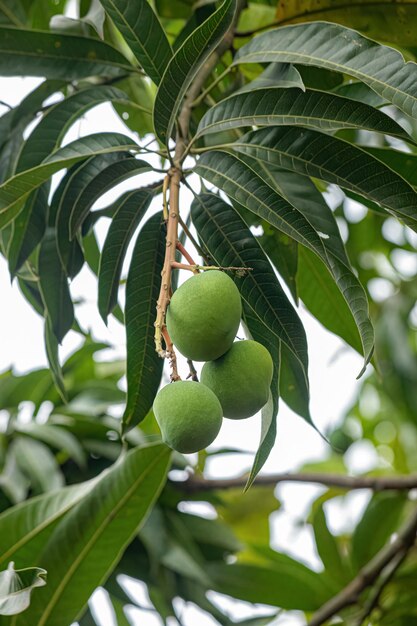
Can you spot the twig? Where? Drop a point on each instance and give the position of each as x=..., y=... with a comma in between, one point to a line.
x=170, y=354
x=193, y=372
x=192, y=267
x=215, y=82
x=376, y=483
x=368, y=574
x=192, y=239
x=187, y=256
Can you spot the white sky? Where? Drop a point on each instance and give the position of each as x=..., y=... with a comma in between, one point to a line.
x=333, y=386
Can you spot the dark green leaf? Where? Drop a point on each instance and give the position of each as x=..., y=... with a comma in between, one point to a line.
x=320, y=44
x=143, y=32
x=184, y=66
x=132, y=206
x=293, y=386
x=288, y=107
x=89, y=541
x=144, y=365
x=52, y=354
x=31, y=53
x=275, y=75
x=54, y=287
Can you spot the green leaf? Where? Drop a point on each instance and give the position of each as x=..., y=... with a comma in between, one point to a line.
x=143, y=32
x=14, y=191
x=230, y=243
x=89, y=541
x=55, y=437
x=132, y=206
x=404, y=163
x=320, y=294
x=293, y=386
x=144, y=365
x=288, y=107
x=38, y=462
x=16, y=587
x=54, y=287
x=311, y=153
x=25, y=526
x=328, y=549
x=275, y=75
x=320, y=44
x=52, y=55
x=52, y=354
x=379, y=521
x=185, y=65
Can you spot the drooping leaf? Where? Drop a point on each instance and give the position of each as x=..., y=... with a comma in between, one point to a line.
x=90, y=539
x=54, y=287
x=52, y=354
x=14, y=191
x=294, y=107
x=16, y=587
x=184, y=66
x=144, y=365
x=319, y=44
x=293, y=387
x=328, y=548
x=275, y=75
x=38, y=462
x=132, y=206
x=68, y=57
x=143, y=32
x=311, y=153
x=230, y=243
x=55, y=437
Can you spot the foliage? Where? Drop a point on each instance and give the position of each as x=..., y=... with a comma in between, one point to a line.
x=277, y=114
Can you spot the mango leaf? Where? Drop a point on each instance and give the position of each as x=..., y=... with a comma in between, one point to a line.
x=52, y=354
x=16, y=587
x=14, y=191
x=185, y=65
x=55, y=437
x=275, y=75
x=90, y=540
x=52, y=55
x=328, y=548
x=230, y=243
x=311, y=153
x=404, y=163
x=293, y=387
x=318, y=44
x=379, y=521
x=144, y=365
x=143, y=32
x=54, y=287
x=379, y=19
x=36, y=461
x=288, y=107
x=132, y=206
x=12, y=12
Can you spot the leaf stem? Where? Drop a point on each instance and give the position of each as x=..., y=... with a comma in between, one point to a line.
x=215, y=82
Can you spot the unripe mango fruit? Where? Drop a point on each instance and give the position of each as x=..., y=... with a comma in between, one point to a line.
x=189, y=415
x=204, y=315
x=240, y=378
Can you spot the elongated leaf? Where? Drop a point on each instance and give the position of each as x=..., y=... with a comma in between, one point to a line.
x=184, y=66
x=328, y=548
x=55, y=437
x=144, y=366
x=342, y=50
x=230, y=243
x=90, y=540
x=404, y=163
x=14, y=191
x=38, y=462
x=311, y=153
x=53, y=284
x=57, y=120
x=12, y=12
x=132, y=207
x=379, y=19
x=52, y=354
x=16, y=587
x=275, y=75
x=143, y=32
x=287, y=107
x=32, y=53
x=293, y=386
x=117, y=172
x=25, y=526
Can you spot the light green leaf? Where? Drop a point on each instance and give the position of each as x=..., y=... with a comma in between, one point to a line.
x=342, y=50
x=293, y=386
x=90, y=540
x=144, y=365
x=275, y=75
x=55, y=437
x=328, y=549
x=311, y=153
x=52, y=354
x=14, y=191
x=16, y=587
x=143, y=32
x=38, y=462
x=33, y=53
x=131, y=208
x=185, y=65
x=293, y=107
x=54, y=288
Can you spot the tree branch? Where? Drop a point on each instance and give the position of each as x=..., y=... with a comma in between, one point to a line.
x=376, y=483
x=368, y=574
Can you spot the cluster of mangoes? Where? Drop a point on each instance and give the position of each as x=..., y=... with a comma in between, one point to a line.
x=202, y=319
